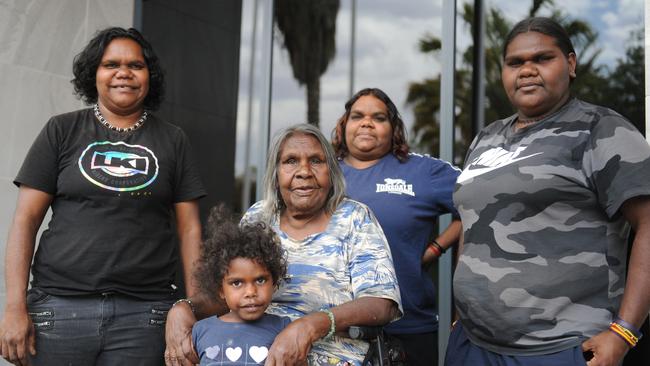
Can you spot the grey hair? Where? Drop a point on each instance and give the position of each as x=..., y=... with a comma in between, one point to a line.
x=273, y=203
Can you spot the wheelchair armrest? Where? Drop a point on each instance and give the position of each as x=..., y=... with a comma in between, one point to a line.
x=364, y=332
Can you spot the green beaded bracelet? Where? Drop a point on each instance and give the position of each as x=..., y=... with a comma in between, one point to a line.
x=330, y=315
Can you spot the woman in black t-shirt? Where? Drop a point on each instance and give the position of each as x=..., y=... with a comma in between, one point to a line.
x=115, y=177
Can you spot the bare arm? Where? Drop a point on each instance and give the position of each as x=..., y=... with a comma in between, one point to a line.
x=188, y=226
x=189, y=231
x=447, y=239
x=16, y=330
x=607, y=347
x=292, y=345
x=636, y=299
x=180, y=319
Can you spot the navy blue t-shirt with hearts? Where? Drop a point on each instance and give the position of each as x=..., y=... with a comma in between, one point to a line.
x=223, y=343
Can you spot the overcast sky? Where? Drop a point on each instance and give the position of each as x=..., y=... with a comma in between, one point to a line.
x=387, y=54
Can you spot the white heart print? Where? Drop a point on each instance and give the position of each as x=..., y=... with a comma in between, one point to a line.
x=233, y=354
x=212, y=352
x=258, y=354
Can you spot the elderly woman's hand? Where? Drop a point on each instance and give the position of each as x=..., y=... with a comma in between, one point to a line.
x=178, y=336
x=292, y=345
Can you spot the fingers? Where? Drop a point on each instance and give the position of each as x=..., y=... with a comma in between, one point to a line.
x=272, y=361
x=189, y=353
x=3, y=349
x=172, y=360
x=20, y=351
x=177, y=358
x=183, y=355
x=178, y=337
x=17, y=338
x=32, y=345
x=168, y=358
x=10, y=353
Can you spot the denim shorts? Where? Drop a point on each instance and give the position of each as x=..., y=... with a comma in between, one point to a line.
x=106, y=329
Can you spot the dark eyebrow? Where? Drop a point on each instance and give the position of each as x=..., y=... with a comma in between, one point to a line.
x=534, y=55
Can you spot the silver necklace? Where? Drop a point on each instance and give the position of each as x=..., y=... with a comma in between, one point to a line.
x=103, y=121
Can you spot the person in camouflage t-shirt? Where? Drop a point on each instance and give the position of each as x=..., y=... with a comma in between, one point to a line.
x=546, y=199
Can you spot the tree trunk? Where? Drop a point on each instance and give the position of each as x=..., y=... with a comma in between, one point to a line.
x=313, y=102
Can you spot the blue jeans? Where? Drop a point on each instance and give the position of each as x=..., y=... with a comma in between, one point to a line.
x=462, y=352
x=107, y=329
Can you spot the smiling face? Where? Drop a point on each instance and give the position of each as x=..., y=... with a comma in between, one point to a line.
x=303, y=175
x=368, y=132
x=536, y=74
x=122, y=77
x=247, y=288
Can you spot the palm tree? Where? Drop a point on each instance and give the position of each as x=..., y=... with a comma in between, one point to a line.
x=308, y=29
x=424, y=96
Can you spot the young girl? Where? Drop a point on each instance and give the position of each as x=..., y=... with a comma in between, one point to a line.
x=242, y=266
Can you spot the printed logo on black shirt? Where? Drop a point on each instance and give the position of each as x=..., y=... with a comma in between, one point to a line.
x=118, y=166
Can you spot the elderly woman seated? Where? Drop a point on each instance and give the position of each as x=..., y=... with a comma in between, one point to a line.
x=340, y=268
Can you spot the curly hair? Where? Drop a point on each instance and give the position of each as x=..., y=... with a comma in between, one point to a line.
x=225, y=240
x=85, y=64
x=399, y=146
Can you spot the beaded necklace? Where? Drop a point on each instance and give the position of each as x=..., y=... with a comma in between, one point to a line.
x=103, y=121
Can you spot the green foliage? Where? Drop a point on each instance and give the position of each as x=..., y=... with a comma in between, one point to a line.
x=626, y=83
x=621, y=90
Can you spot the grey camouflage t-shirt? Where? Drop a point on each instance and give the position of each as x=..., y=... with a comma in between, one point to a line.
x=543, y=264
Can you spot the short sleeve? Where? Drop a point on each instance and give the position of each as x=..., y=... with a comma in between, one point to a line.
x=472, y=146
x=371, y=264
x=188, y=185
x=617, y=162
x=285, y=322
x=40, y=169
x=253, y=214
x=443, y=179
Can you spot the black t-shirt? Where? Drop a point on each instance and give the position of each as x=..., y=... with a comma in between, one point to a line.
x=112, y=213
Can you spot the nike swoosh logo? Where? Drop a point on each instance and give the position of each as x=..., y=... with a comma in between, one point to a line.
x=468, y=174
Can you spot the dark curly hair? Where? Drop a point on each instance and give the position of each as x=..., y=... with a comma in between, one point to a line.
x=85, y=64
x=225, y=240
x=399, y=146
